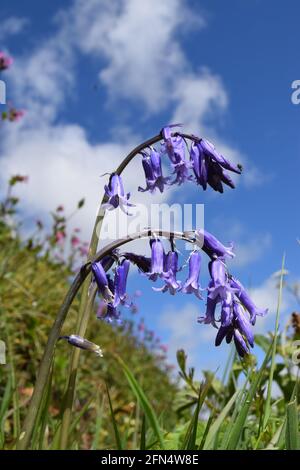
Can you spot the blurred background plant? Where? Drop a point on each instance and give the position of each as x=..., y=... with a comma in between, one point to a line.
x=35, y=272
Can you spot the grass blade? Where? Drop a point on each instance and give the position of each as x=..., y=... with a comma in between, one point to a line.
x=99, y=419
x=267, y=412
x=218, y=422
x=4, y=407
x=141, y=397
x=292, y=437
x=115, y=426
x=238, y=426
x=143, y=434
x=191, y=435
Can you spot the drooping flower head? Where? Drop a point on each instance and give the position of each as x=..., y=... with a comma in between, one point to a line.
x=220, y=285
x=108, y=312
x=208, y=166
x=102, y=280
x=239, y=329
x=158, y=257
x=172, y=285
x=212, y=246
x=115, y=193
x=82, y=343
x=142, y=262
x=174, y=147
x=191, y=285
x=120, y=281
x=230, y=332
x=247, y=301
x=210, y=150
x=153, y=172
x=199, y=163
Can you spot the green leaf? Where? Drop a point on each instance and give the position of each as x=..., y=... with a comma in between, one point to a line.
x=239, y=424
x=218, y=422
x=141, y=397
x=191, y=435
x=143, y=434
x=267, y=411
x=292, y=437
x=115, y=426
x=99, y=419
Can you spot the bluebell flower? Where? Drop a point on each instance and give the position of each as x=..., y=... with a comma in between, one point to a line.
x=243, y=322
x=209, y=317
x=235, y=324
x=174, y=147
x=247, y=301
x=172, y=285
x=115, y=193
x=142, y=262
x=82, y=343
x=191, y=285
x=220, y=285
x=120, y=281
x=210, y=150
x=153, y=172
x=108, y=312
x=158, y=258
x=208, y=166
x=229, y=333
x=102, y=281
x=199, y=165
x=212, y=246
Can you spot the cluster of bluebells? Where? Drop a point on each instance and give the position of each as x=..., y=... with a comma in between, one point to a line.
x=228, y=305
x=200, y=163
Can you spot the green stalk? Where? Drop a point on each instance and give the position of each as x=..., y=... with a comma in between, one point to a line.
x=70, y=392
x=272, y=366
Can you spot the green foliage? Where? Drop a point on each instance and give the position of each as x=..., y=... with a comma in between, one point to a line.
x=33, y=282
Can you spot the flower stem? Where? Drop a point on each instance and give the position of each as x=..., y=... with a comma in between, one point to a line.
x=70, y=392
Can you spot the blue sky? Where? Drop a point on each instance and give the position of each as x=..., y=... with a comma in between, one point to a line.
x=97, y=78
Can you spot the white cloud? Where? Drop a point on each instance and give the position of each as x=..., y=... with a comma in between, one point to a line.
x=63, y=166
x=266, y=296
x=197, y=96
x=140, y=43
x=42, y=81
x=251, y=250
x=12, y=26
x=142, y=59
